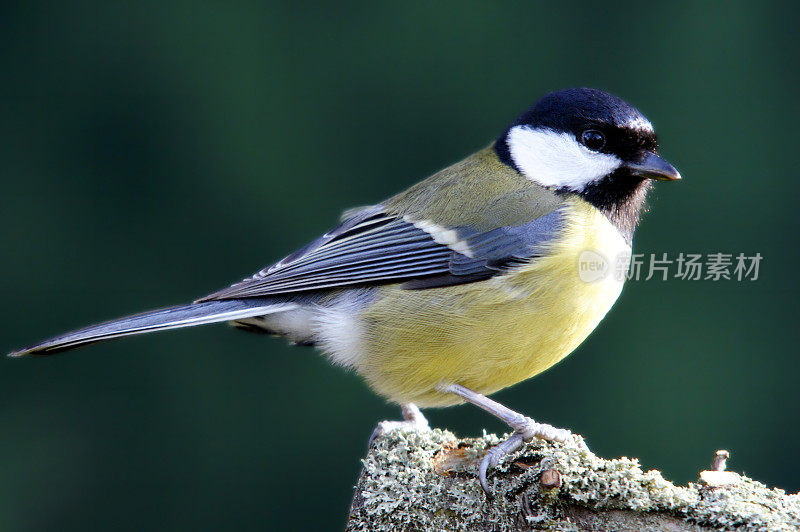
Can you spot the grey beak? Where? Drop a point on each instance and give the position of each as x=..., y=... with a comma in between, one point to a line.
x=651, y=166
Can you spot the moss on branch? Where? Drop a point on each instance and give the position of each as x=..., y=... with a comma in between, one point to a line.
x=417, y=481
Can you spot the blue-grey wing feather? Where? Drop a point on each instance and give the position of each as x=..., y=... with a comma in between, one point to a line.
x=378, y=247
x=495, y=251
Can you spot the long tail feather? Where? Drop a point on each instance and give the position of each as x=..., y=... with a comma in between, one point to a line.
x=158, y=320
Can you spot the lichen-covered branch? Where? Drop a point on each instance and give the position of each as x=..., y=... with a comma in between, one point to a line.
x=416, y=481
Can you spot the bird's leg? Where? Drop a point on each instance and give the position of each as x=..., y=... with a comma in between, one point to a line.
x=412, y=420
x=525, y=429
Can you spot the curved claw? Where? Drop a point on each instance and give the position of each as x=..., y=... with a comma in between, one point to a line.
x=525, y=429
x=377, y=432
x=495, y=454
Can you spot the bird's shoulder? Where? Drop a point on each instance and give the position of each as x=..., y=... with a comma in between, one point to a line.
x=480, y=191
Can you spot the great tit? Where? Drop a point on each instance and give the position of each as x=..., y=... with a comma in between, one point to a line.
x=467, y=282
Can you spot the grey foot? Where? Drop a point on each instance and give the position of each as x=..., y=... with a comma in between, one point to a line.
x=413, y=420
x=525, y=429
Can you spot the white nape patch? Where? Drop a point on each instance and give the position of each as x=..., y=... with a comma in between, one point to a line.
x=338, y=330
x=558, y=160
x=442, y=235
x=640, y=124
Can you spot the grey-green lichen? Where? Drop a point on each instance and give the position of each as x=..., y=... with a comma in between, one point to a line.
x=427, y=481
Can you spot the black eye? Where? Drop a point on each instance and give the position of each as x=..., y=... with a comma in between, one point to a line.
x=593, y=139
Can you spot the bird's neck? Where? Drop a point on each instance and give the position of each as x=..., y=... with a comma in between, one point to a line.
x=622, y=201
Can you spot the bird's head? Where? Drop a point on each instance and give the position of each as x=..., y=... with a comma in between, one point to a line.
x=587, y=142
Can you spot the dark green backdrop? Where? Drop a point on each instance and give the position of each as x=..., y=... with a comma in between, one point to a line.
x=155, y=151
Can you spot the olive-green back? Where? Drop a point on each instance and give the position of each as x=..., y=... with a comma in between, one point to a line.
x=480, y=192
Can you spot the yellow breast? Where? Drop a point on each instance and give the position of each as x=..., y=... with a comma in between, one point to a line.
x=492, y=334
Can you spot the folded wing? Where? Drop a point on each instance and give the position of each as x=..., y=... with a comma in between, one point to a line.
x=377, y=247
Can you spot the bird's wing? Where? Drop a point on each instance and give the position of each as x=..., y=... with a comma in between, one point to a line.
x=378, y=247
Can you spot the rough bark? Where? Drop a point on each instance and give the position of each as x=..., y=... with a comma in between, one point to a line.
x=415, y=481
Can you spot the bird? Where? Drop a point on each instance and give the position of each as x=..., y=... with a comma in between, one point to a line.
x=467, y=282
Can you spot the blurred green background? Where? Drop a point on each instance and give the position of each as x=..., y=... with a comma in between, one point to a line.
x=155, y=151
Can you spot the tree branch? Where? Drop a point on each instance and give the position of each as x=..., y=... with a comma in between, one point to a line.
x=428, y=481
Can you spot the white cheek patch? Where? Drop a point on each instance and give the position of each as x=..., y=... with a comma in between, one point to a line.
x=556, y=159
